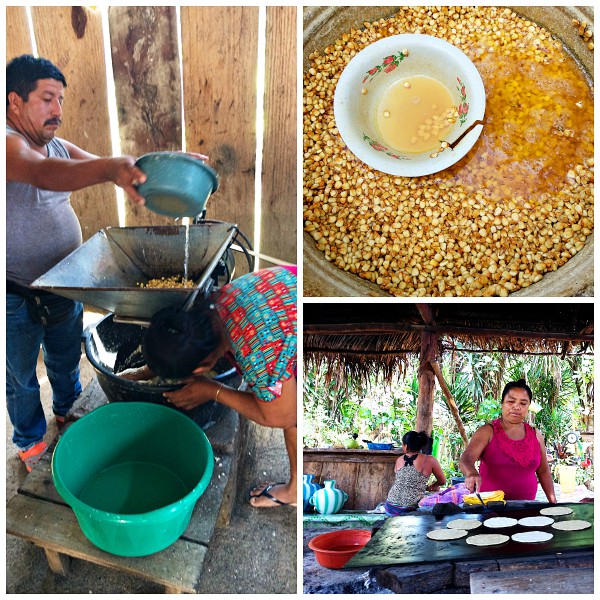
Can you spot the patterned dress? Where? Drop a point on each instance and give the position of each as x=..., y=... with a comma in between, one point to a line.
x=408, y=488
x=259, y=314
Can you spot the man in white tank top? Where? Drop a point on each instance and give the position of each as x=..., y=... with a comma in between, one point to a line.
x=41, y=229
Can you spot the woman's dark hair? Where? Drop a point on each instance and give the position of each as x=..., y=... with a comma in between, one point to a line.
x=519, y=385
x=177, y=341
x=23, y=73
x=415, y=441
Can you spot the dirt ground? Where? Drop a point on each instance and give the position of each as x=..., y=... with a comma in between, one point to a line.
x=256, y=553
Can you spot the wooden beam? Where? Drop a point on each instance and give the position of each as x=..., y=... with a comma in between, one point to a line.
x=426, y=313
x=574, y=352
x=278, y=198
x=314, y=349
x=391, y=328
x=426, y=383
x=18, y=40
x=450, y=400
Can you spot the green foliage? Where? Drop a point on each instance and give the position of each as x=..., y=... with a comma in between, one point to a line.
x=384, y=412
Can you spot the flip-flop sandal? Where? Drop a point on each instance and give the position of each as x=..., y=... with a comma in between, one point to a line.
x=32, y=456
x=266, y=494
x=263, y=485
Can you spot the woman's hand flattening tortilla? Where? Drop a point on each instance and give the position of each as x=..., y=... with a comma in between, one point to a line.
x=197, y=391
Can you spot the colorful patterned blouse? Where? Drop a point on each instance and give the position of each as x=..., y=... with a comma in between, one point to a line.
x=259, y=314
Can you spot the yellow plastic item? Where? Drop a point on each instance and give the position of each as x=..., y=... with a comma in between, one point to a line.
x=496, y=496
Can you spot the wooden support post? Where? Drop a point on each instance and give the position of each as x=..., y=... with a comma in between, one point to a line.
x=426, y=383
x=58, y=563
x=450, y=400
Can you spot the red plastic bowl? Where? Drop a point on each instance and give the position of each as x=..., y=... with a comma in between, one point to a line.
x=333, y=550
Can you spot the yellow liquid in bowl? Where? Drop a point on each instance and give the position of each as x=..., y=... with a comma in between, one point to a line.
x=413, y=115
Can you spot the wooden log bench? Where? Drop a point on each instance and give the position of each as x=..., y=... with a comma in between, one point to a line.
x=533, y=581
x=38, y=514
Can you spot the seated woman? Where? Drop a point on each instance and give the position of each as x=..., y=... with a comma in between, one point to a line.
x=512, y=453
x=251, y=321
x=413, y=470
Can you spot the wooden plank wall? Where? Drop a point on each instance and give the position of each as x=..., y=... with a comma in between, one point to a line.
x=219, y=90
x=17, y=32
x=278, y=227
x=219, y=71
x=146, y=71
x=72, y=38
x=367, y=481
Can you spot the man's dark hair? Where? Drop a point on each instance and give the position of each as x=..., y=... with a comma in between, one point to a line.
x=23, y=73
x=521, y=385
x=177, y=341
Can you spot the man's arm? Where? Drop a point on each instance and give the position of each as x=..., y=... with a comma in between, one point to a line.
x=25, y=165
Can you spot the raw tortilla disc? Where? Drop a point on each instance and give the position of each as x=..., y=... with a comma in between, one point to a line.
x=464, y=524
x=487, y=539
x=536, y=521
x=446, y=534
x=571, y=525
x=531, y=537
x=499, y=522
x=556, y=511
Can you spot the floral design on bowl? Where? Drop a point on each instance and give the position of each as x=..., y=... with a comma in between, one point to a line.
x=381, y=148
x=389, y=64
x=379, y=65
x=463, y=106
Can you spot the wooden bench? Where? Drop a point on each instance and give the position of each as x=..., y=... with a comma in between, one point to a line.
x=38, y=514
x=534, y=581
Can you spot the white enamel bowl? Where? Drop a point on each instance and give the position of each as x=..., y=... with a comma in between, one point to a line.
x=374, y=69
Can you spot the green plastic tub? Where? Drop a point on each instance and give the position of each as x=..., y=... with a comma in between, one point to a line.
x=132, y=473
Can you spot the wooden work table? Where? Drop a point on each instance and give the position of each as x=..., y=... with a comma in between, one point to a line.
x=38, y=514
x=365, y=475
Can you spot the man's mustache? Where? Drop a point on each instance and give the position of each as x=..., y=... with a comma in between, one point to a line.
x=53, y=122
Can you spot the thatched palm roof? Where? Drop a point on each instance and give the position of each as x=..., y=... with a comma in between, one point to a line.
x=381, y=337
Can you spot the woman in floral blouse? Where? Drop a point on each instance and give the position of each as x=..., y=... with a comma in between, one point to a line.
x=251, y=321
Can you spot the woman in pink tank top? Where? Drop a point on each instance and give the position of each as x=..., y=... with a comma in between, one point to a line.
x=512, y=453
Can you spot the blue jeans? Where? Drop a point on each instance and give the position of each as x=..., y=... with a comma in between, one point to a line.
x=61, y=346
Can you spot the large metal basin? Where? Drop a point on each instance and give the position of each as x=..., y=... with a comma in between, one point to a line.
x=325, y=24
x=105, y=271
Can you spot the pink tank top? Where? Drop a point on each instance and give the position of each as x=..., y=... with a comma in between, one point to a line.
x=510, y=465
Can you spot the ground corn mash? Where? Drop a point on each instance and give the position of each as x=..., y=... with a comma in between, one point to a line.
x=519, y=205
x=173, y=281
